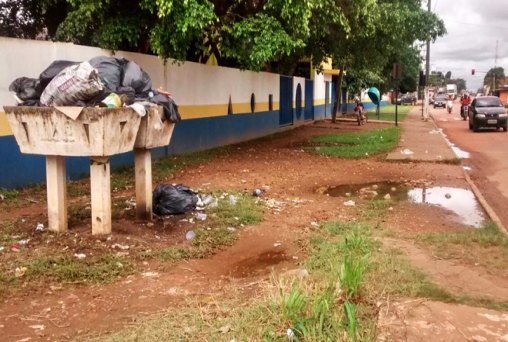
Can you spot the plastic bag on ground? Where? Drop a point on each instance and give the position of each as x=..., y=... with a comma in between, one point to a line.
x=73, y=85
x=171, y=199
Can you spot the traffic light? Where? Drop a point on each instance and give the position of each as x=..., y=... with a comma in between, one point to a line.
x=472, y=71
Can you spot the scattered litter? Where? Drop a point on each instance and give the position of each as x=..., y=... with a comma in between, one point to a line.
x=169, y=199
x=2, y=197
x=435, y=131
x=350, y=203
x=201, y=216
x=406, y=152
x=393, y=189
x=277, y=244
x=314, y=224
x=387, y=197
x=467, y=168
x=190, y=235
x=348, y=194
x=150, y=274
x=295, y=257
x=80, y=256
x=37, y=326
x=231, y=229
x=149, y=224
x=2, y=248
x=56, y=287
x=391, y=208
x=258, y=192
x=232, y=199
x=119, y=246
x=24, y=242
x=290, y=334
x=15, y=248
x=39, y=228
x=20, y=271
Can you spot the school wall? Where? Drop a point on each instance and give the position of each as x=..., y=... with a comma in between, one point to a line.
x=201, y=91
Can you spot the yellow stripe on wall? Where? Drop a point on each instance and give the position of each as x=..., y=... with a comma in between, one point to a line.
x=209, y=111
x=318, y=102
x=5, y=128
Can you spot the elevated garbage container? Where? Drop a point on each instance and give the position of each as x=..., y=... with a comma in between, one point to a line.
x=98, y=133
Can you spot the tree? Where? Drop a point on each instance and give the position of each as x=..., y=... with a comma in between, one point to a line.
x=493, y=77
x=448, y=75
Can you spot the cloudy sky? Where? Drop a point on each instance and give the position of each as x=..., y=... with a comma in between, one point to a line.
x=473, y=28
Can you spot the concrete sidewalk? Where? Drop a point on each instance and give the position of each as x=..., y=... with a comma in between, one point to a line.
x=421, y=140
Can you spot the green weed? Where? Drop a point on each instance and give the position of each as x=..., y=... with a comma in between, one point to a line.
x=356, y=145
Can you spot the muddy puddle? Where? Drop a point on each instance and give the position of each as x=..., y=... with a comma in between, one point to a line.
x=259, y=264
x=460, y=201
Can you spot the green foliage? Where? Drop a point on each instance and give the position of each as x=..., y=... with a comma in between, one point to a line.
x=493, y=77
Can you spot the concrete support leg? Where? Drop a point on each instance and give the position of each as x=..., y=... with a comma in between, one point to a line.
x=57, y=193
x=143, y=170
x=100, y=181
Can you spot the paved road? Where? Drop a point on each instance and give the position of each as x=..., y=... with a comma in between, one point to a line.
x=488, y=157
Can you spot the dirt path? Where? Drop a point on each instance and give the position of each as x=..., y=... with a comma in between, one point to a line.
x=294, y=179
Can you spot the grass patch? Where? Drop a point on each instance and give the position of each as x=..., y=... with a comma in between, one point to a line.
x=350, y=271
x=60, y=269
x=216, y=231
x=387, y=113
x=8, y=194
x=486, y=246
x=356, y=145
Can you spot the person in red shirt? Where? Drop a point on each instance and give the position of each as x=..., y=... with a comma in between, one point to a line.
x=465, y=101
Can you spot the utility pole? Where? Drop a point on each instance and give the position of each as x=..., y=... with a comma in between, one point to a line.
x=427, y=75
x=494, y=71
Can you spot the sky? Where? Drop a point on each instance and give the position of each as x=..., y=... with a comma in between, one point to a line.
x=473, y=28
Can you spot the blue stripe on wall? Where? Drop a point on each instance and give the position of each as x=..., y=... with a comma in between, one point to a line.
x=19, y=169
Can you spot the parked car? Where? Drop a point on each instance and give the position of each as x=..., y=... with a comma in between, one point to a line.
x=440, y=101
x=487, y=111
x=406, y=99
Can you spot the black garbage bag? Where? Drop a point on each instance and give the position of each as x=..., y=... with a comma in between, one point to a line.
x=110, y=70
x=171, y=112
x=52, y=70
x=175, y=199
x=136, y=78
x=26, y=88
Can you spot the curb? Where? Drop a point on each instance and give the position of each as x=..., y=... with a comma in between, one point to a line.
x=483, y=202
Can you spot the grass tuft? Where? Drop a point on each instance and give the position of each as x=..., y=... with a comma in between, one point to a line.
x=356, y=145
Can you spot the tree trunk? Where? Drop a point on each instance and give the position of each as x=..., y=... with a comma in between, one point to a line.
x=337, y=103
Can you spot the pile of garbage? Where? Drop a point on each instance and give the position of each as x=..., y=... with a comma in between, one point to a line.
x=102, y=81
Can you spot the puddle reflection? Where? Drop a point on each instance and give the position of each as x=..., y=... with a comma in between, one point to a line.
x=461, y=201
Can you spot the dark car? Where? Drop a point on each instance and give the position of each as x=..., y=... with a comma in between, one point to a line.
x=440, y=101
x=406, y=99
x=487, y=111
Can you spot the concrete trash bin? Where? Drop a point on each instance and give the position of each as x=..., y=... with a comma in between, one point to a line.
x=57, y=132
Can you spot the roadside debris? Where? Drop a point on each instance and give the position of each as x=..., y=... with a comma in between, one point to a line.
x=190, y=235
x=171, y=199
x=20, y=271
x=39, y=228
x=350, y=203
x=406, y=152
x=80, y=256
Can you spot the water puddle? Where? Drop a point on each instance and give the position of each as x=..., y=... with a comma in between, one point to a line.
x=377, y=190
x=258, y=265
x=460, y=201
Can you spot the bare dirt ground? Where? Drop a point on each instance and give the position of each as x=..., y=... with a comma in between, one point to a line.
x=294, y=178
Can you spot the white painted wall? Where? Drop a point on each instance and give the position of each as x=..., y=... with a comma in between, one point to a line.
x=190, y=83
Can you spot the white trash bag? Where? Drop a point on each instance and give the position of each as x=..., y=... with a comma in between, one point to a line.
x=74, y=84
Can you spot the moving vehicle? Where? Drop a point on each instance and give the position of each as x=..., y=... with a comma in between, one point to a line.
x=449, y=106
x=464, y=111
x=451, y=90
x=487, y=111
x=361, y=114
x=440, y=101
